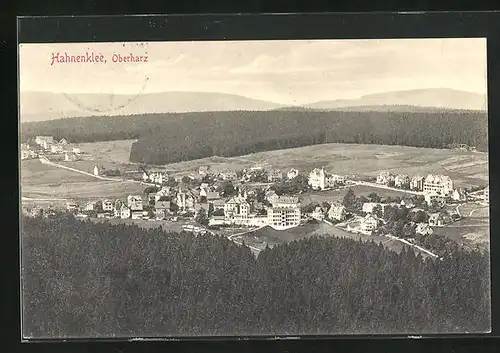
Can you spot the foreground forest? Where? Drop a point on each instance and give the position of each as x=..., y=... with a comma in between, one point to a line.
x=169, y=138
x=87, y=279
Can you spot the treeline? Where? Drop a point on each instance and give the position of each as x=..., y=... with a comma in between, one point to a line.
x=83, y=279
x=166, y=138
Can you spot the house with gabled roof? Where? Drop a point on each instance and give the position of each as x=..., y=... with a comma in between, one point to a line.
x=337, y=212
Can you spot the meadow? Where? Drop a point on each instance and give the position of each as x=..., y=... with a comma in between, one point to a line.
x=271, y=237
x=44, y=181
x=465, y=168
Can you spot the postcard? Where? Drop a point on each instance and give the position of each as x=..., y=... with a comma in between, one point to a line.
x=254, y=188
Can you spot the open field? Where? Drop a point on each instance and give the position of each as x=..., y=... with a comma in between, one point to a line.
x=95, y=189
x=465, y=168
x=117, y=152
x=272, y=237
x=35, y=173
x=167, y=226
x=40, y=180
x=473, y=230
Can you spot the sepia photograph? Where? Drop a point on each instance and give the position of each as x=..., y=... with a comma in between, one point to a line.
x=254, y=188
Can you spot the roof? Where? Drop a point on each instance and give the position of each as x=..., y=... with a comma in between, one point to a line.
x=287, y=199
x=219, y=201
x=213, y=195
x=369, y=217
x=318, y=171
x=336, y=206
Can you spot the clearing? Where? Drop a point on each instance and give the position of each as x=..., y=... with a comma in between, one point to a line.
x=272, y=237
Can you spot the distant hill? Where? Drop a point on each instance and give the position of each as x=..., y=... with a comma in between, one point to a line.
x=437, y=98
x=377, y=108
x=39, y=106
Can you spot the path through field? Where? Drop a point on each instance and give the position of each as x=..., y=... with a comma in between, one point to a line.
x=46, y=161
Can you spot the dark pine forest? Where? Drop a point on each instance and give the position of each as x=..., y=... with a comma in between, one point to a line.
x=169, y=138
x=87, y=279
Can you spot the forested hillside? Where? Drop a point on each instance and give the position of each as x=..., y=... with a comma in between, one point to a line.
x=86, y=279
x=167, y=138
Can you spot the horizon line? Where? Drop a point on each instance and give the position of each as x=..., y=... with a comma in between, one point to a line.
x=254, y=98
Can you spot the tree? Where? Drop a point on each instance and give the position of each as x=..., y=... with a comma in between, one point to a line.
x=228, y=189
x=201, y=217
x=349, y=200
x=378, y=211
x=173, y=207
x=260, y=195
x=151, y=189
x=418, y=217
x=408, y=231
x=186, y=180
x=374, y=197
x=310, y=207
x=207, y=178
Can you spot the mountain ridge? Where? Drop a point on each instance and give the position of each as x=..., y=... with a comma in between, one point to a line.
x=43, y=106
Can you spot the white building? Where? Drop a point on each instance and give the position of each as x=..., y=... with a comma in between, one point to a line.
x=134, y=202
x=292, y=173
x=274, y=175
x=435, y=197
x=107, y=205
x=44, y=141
x=440, y=184
x=186, y=200
x=76, y=150
x=27, y=154
x=96, y=170
x=368, y=224
x=417, y=183
x=337, y=212
x=401, y=180
x=459, y=195
x=283, y=217
x=124, y=212
x=89, y=206
x=320, y=180
x=56, y=149
x=70, y=157
x=318, y=213
x=385, y=178
x=164, y=192
x=284, y=213
x=237, y=210
x=424, y=229
x=369, y=206
x=136, y=214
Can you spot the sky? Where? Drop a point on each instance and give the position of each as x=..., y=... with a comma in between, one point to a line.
x=287, y=72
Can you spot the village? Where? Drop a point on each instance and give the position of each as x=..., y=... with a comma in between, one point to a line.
x=262, y=196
